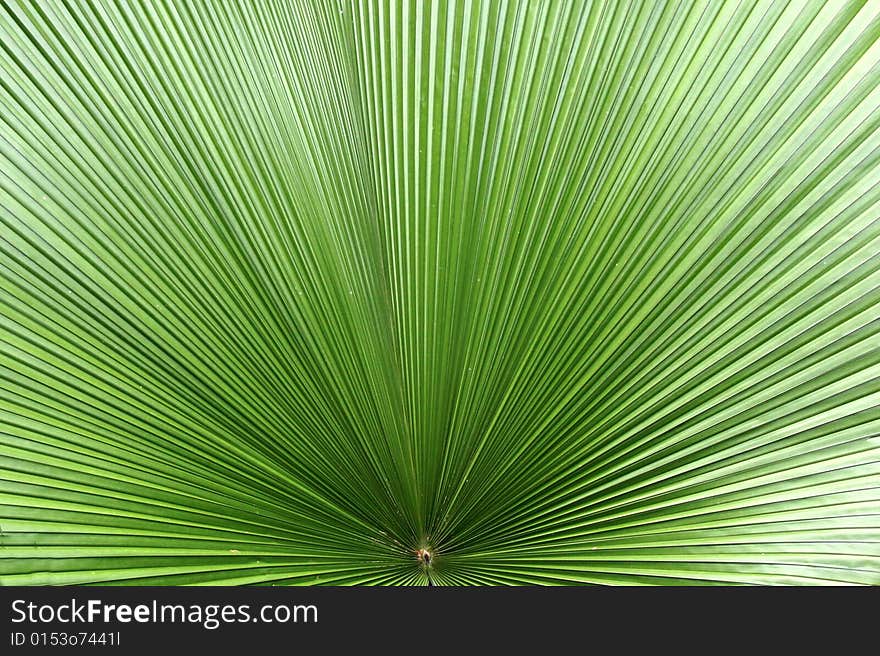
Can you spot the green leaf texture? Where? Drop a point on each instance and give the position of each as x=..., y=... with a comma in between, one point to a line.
x=566, y=292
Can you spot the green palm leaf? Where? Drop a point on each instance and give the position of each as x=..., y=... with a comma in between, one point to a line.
x=562, y=292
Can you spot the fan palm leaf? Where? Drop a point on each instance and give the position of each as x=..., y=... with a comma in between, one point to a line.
x=559, y=292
